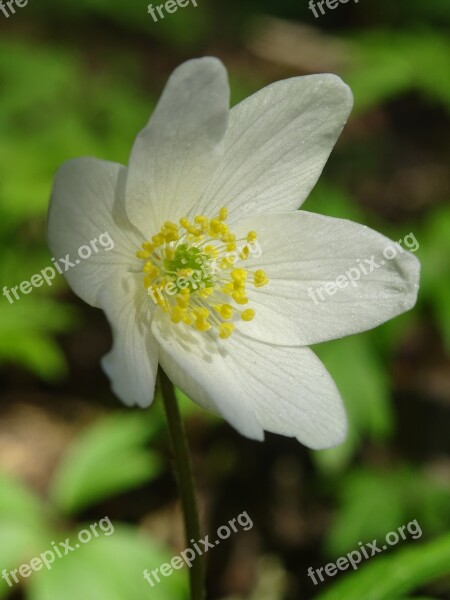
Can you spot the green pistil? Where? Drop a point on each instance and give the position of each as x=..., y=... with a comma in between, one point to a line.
x=190, y=258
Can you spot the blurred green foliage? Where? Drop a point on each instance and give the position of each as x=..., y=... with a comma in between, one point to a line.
x=390, y=577
x=400, y=494
x=109, y=457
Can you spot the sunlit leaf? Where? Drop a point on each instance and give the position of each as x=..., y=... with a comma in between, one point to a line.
x=362, y=382
x=109, y=568
x=391, y=576
x=374, y=502
x=108, y=458
x=23, y=529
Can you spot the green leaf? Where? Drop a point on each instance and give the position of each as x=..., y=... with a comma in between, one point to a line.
x=38, y=353
x=393, y=575
x=108, y=458
x=19, y=543
x=330, y=200
x=25, y=329
x=362, y=382
x=383, y=69
x=18, y=503
x=374, y=502
x=389, y=63
x=109, y=568
x=23, y=529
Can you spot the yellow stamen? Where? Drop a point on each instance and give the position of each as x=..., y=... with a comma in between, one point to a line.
x=181, y=257
x=248, y=314
x=260, y=278
x=225, y=330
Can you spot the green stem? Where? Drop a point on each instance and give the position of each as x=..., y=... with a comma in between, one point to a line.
x=185, y=482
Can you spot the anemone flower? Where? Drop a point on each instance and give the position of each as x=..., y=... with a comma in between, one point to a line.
x=212, y=260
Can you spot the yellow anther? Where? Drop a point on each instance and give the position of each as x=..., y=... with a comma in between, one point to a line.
x=203, y=222
x=177, y=315
x=239, y=275
x=147, y=246
x=171, y=235
x=231, y=246
x=202, y=325
x=260, y=278
x=228, y=289
x=217, y=228
x=158, y=239
x=239, y=297
x=225, y=311
x=225, y=330
x=247, y=314
x=195, y=231
x=223, y=213
x=210, y=250
x=187, y=319
x=184, y=222
x=251, y=236
x=151, y=269
x=206, y=292
x=182, y=300
x=170, y=225
x=244, y=252
x=143, y=254
x=200, y=312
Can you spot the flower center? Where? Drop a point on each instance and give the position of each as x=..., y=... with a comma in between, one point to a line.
x=191, y=272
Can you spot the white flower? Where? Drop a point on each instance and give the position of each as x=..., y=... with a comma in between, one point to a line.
x=238, y=346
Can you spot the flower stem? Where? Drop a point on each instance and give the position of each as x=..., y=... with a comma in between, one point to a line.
x=185, y=482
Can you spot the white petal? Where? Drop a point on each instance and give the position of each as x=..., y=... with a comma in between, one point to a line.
x=253, y=385
x=176, y=154
x=87, y=205
x=302, y=253
x=277, y=144
x=132, y=363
